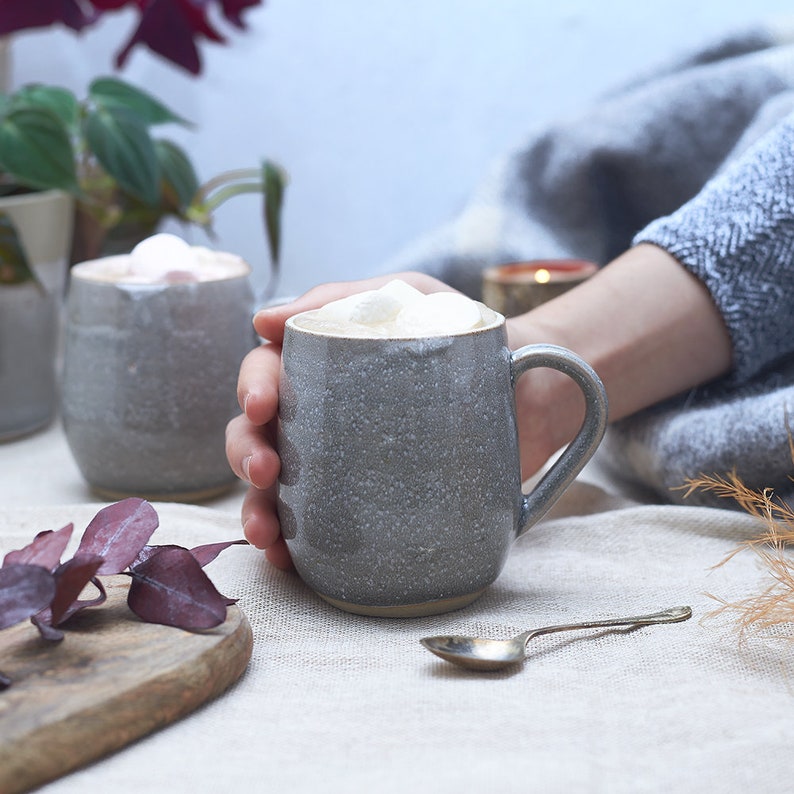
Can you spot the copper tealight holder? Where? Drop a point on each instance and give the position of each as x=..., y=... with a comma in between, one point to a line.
x=518, y=287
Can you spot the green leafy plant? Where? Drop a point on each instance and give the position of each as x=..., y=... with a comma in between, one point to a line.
x=124, y=179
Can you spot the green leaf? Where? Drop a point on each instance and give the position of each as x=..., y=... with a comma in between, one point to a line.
x=123, y=147
x=58, y=100
x=14, y=265
x=274, y=180
x=177, y=172
x=36, y=149
x=110, y=93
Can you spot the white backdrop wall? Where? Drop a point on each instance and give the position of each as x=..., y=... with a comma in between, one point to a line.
x=385, y=114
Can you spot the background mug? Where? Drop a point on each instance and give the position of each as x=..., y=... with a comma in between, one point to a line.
x=150, y=382
x=400, y=487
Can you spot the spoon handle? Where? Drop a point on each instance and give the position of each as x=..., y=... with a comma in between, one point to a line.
x=672, y=615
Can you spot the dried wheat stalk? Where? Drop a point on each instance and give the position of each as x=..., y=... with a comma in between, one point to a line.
x=775, y=605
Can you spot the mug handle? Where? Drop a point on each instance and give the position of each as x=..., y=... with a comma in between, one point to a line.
x=565, y=469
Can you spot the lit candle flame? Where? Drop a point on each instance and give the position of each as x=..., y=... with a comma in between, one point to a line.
x=542, y=276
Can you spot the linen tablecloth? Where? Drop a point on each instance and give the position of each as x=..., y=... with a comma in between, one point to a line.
x=334, y=702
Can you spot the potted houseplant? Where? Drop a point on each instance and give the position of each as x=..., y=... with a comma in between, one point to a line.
x=99, y=155
x=83, y=178
x=124, y=179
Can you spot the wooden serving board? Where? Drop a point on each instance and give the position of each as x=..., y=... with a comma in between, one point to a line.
x=110, y=681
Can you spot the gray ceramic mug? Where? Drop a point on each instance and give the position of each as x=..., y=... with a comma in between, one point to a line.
x=150, y=382
x=400, y=487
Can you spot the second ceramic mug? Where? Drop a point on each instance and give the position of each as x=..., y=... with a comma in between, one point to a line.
x=400, y=487
x=149, y=383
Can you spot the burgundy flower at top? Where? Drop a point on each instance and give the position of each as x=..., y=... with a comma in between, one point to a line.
x=170, y=28
x=22, y=14
x=233, y=9
x=113, y=5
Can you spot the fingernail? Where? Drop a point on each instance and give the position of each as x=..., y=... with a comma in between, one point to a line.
x=247, y=467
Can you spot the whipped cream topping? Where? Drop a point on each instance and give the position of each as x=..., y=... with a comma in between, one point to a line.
x=398, y=310
x=164, y=259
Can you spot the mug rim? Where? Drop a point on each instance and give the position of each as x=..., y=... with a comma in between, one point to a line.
x=497, y=322
x=81, y=271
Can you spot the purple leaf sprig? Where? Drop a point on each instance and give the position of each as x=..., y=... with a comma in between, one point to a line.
x=169, y=585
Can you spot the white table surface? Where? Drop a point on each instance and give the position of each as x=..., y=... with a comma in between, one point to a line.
x=39, y=469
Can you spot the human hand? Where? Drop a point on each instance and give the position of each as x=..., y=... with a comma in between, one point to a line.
x=251, y=437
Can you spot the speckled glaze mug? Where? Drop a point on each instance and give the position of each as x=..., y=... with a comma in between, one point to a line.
x=400, y=487
x=150, y=381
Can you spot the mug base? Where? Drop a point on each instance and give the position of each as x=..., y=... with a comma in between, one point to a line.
x=199, y=495
x=14, y=433
x=436, y=607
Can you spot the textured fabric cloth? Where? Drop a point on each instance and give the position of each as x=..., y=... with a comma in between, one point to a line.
x=737, y=237
x=338, y=703
x=699, y=159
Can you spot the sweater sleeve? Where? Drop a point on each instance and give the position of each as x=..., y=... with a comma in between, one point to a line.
x=737, y=237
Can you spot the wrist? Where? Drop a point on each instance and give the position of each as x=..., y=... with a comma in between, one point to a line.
x=646, y=325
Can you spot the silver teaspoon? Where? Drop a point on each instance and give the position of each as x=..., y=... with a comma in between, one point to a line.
x=476, y=653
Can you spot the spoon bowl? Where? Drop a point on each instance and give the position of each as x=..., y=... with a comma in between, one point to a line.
x=478, y=653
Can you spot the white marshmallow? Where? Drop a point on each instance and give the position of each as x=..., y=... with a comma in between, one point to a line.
x=376, y=308
x=372, y=307
x=402, y=292
x=398, y=310
x=439, y=313
x=341, y=310
x=156, y=256
x=164, y=259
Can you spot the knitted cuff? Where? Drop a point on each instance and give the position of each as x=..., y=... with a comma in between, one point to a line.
x=737, y=237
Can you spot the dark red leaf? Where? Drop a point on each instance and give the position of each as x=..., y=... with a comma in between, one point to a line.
x=44, y=620
x=204, y=555
x=170, y=29
x=70, y=579
x=45, y=549
x=171, y=588
x=209, y=551
x=118, y=532
x=24, y=14
x=24, y=590
x=113, y=5
x=233, y=10
x=149, y=551
x=97, y=600
x=48, y=632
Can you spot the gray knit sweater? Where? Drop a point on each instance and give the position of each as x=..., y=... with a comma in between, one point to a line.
x=698, y=159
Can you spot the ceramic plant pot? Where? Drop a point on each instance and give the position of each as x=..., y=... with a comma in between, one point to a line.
x=30, y=310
